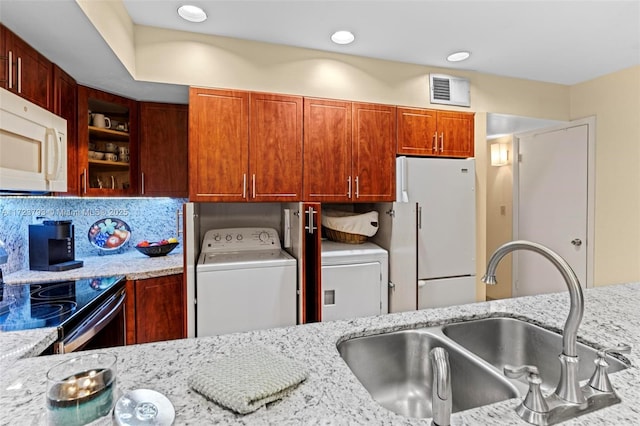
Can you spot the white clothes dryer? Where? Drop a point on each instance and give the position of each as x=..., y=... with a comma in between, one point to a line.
x=355, y=280
x=244, y=281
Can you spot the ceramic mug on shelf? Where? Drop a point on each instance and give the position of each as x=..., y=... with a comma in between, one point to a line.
x=123, y=150
x=124, y=158
x=99, y=120
x=109, y=156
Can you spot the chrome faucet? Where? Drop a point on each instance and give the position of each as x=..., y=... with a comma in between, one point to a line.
x=569, y=387
x=441, y=399
x=569, y=399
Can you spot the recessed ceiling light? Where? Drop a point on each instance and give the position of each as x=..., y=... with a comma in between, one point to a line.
x=192, y=13
x=342, y=37
x=458, y=56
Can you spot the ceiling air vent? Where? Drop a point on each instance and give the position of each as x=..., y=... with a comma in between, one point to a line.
x=449, y=90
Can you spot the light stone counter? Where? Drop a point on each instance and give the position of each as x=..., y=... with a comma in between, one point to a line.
x=332, y=394
x=133, y=264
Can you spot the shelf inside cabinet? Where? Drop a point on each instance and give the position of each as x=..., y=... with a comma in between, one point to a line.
x=108, y=134
x=117, y=164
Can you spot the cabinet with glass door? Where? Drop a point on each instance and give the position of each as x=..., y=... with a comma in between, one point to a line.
x=107, y=143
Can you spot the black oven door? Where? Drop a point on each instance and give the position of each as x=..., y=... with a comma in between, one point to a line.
x=103, y=327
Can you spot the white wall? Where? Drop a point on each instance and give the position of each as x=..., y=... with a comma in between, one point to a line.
x=615, y=101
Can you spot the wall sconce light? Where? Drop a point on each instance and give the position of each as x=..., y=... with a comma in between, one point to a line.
x=499, y=154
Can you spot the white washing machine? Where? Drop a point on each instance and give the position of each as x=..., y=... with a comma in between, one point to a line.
x=244, y=281
x=355, y=280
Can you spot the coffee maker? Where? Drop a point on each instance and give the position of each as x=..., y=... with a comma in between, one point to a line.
x=52, y=246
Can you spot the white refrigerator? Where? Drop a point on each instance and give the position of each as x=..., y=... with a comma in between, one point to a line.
x=430, y=233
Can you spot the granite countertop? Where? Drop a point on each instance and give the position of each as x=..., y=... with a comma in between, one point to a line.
x=133, y=264
x=332, y=394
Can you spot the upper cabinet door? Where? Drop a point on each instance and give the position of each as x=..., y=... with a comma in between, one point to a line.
x=275, y=147
x=417, y=131
x=28, y=73
x=327, y=150
x=218, y=145
x=65, y=101
x=455, y=134
x=374, y=147
x=164, y=130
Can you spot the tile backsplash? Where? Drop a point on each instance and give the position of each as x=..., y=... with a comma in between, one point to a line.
x=149, y=219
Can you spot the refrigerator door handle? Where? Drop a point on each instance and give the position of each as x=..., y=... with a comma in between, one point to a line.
x=419, y=217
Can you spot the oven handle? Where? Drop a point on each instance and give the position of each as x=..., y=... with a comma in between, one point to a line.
x=92, y=325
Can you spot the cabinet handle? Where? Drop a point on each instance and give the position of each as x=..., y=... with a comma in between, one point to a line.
x=349, y=187
x=357, y=187
x=178, y=227
x=84, y=181
x=142, y=181
x=441, y=141
x=310, y=221
x=19, y=74
x=253, y=185
x=435, y=142
x=10, y=69
x=244, y=185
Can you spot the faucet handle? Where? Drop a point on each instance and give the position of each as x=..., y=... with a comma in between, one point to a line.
x=534, y=401
x=600, y=379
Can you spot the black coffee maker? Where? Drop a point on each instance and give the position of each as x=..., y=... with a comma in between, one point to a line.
x=52, y=246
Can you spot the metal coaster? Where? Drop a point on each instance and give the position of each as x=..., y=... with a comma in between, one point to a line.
x=144, y=407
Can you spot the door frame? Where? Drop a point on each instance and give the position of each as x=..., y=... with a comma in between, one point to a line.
x=590, y=122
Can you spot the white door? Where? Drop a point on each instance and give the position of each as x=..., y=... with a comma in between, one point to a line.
x=446, y=292
x=552, y=189
x=445, y=192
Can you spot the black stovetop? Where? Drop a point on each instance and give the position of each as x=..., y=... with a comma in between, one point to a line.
x=51, y=304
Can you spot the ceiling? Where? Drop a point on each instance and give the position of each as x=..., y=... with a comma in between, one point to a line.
x=560, y=41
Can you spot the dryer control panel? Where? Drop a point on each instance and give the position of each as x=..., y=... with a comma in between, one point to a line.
x=240, y=239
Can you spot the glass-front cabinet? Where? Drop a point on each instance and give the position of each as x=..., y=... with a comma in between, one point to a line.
x=107, y=143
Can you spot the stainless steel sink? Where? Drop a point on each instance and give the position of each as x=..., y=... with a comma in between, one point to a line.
x=501, y=341
x=395, y=370
x=394, y=367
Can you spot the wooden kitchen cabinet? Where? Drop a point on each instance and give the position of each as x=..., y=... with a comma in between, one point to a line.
x=155, y=309
x=373, y=152
x=65, y=97
x=25, y=71
x=349, y=151
x=230, y=162
x=107, y=177
x=427, y=132
x=164, y=131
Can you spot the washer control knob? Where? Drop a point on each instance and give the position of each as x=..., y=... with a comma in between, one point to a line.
x=229, y=237
x=217, y=237
x=239, y=237
x=263, y=236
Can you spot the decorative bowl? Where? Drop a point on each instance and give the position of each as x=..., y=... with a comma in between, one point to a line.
x=158, y=250
x=109, y=234
x=96, y=155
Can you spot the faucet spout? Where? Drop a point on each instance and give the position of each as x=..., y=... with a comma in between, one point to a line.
x=441, y=398
x=576, y=310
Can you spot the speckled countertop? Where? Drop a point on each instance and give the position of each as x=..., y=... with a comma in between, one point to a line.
x=332, y=394
x=132, y=264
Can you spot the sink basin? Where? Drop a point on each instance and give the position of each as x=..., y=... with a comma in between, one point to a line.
x=394, y=368
x=501, y=341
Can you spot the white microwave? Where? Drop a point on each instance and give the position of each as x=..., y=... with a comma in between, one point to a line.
x=33, y=147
